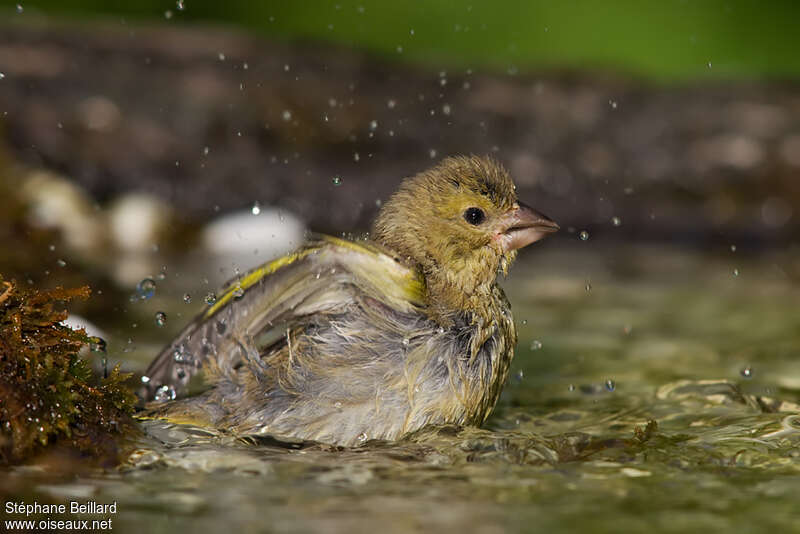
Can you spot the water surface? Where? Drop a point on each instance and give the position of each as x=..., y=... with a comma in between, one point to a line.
x=653, y=389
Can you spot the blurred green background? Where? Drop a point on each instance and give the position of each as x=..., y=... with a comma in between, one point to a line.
x=665, y=41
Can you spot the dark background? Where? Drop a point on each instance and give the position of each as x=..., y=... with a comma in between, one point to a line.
x=650, y=121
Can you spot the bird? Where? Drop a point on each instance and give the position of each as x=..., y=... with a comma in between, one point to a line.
x=346, y=341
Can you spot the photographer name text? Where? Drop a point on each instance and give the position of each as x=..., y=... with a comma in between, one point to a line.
x=37, y=509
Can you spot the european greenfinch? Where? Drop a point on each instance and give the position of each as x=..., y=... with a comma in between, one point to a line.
x=346, y=341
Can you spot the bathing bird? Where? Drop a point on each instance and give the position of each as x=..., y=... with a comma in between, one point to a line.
x=346, y=341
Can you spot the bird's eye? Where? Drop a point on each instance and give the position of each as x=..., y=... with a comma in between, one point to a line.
x=474, y=216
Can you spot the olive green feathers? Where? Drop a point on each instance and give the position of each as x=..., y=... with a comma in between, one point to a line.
x=341, y=341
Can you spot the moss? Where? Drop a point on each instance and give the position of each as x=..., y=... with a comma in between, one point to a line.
x=48, y=394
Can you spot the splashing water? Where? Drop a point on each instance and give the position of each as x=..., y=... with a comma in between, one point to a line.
x=146, y=288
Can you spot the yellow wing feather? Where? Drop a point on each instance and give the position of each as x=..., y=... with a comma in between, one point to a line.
x=371, y=263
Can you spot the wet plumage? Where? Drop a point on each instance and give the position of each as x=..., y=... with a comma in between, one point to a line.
x=344, y=341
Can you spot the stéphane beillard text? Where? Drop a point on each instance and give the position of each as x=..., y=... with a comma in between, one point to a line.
x=74, y=507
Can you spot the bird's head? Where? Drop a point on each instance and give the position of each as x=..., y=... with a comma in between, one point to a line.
x=460, y=222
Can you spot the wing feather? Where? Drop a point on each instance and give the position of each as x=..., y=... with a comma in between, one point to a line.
x=325, y=276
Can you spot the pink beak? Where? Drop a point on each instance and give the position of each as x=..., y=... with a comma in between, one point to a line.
x=522, y=226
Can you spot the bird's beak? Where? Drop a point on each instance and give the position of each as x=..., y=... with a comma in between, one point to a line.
x=523, y=225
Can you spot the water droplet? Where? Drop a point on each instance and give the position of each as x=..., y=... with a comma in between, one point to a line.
x=520, y=375
x=616, y=221
x=373, y=125
x=571, y=387
x=210, y=299
x=61, y=263
x=406, y=341
x=747, y=372
x=336, y=180
x=391, y=103
x=187, y=298
x=446, y=109
x=20, y=9
x=165, y=393
x=736, y=272
x=287, y=115
x=733, y=248
x=362, y=437
x=221, y=56
x=524, y=322
x=584, y=235
x=256, y=209
x=709, y=65
x=440, y=330
x=161, y=318
x=97, y=344
x=610, y=385
x=613, y=104
x=337, y=405
x=146, y=289
x=206, y=150
x=145, y=379
x=536, y=344
x=180, y=5
x=181, y=355
x=432, y=153
x=2, y=75
x=238, y=292
x=168, y=14
x=588, y=287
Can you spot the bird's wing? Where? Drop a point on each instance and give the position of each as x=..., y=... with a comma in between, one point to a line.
x=323, y=276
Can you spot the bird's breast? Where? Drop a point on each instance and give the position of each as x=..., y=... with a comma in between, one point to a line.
x=462, y=368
